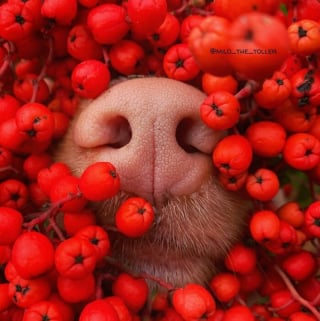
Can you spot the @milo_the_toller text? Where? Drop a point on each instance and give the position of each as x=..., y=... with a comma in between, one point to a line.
x=243, y=51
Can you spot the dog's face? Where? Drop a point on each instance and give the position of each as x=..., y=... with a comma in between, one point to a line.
x=150, y=130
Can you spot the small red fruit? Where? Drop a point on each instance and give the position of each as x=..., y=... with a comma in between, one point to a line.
x=11, y=225
x=134, y=217
x=99, y=181
x=193, y=302
x=32, y=254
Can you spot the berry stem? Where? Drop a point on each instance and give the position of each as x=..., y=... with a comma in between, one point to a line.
x=56, y=228
x=112, y=261
x=161, y=282
x=43, y=72
x=295, y=294
x=312, y=189
x=106, y=57
x=51, y=212
x=9, y=168
x=7, y=60
x=247, y=90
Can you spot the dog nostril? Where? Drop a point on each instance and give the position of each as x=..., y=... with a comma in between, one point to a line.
x=119, y=132
x=184, y=140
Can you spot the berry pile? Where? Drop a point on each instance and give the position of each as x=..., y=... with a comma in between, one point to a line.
x=257, y=61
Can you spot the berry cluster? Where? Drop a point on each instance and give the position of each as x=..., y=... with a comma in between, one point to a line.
x=257, y=61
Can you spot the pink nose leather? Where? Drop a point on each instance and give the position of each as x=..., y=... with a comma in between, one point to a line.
x=150, y=129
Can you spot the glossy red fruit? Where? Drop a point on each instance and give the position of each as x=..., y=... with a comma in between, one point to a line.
x=81, y=44
x=292, y=213
x=133, y=291
x=179, y=63
x=274, y=91
x=267, y=138
x=300, y=265
x=127, y=57
x=225, y=286
x=146, y=16
x=99, y=310
x=16, y=21
x=304, y=36
x=11, y=225
x=239, y=312
x=134, y=217
x=241, y=259
x=61, y=11
x=220, y=110
x=305, y=85
x=75, y=258
x=260, y=44
x=90, y=78
x=76, y=290
x=302, y=151
x=75, y=221
x=107, y=23
x=263, y=184
x=98, y=237
x=66, y=191
x=312, y=219
x=232, y=155
x=26, y=292
x=193, y=302
x=120, y=307
x=284, y=303
x=43, y=310
x=264, y=226
x=32, y=254
x=99, y=181
x=36, y=121
x=208, y=42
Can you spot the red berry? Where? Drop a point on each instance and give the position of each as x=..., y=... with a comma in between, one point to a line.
x=146, y=16
x=225, y=286
x=193, y=302
x=127, y=57
x=300, y=266
x=266, y=138
x=66, y=191
x=134, y=217
x=32, y=255
x=284, y=303
x=100, y=310
x=90, y=78
x=43, y=310
x=61, y=11
x=133, y=291
x=81, y=44
x=75, y=221
x=241, y=259
x=11, y=225
x=179, y=64
x=75, y=258
x=99, y=181
x=47, y=177
x=76, y=290
x=232, y=155
x=26, y=292
x=263, y=184
x=98, y=237
x=302, y=151
x=264, y=226
x=237, y=313
x=108, y=24
x=220, y=110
